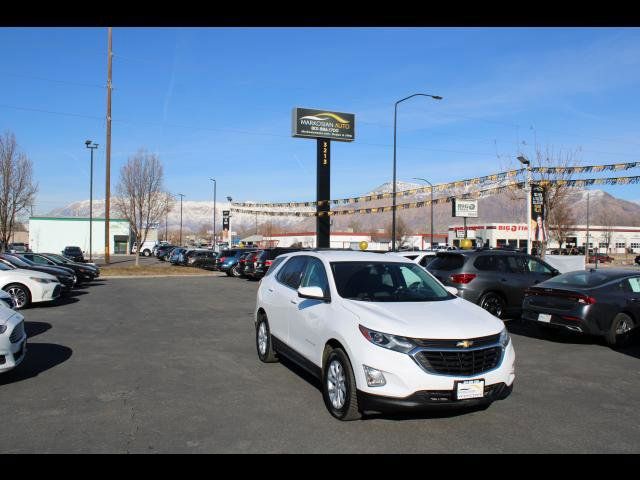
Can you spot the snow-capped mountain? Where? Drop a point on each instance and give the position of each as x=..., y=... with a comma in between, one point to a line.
x=198, y=215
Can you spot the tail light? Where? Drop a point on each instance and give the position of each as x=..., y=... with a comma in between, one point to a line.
x=462, y=278
x=586, y=299
x=268, y=263
x=222, y=259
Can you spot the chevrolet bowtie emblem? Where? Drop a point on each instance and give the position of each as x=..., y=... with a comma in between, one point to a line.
x=464, y=343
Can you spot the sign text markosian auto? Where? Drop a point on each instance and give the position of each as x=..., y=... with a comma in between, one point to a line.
x=310, y=123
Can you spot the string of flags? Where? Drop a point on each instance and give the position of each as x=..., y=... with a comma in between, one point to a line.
x=497, y=177
x=441, y=200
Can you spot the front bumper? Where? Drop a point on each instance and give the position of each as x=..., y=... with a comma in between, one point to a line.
x=428, y=399
x=12, y=353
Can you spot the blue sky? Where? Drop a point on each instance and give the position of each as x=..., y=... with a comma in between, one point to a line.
x=217, y=102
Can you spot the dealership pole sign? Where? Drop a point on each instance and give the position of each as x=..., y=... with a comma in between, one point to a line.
x=324, y=126
x=225, y=220
x=538, y=221
x=464, y=208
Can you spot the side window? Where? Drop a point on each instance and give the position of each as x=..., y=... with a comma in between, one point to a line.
x=485, y=263
x=411, y=257
x=315, y=275
x=516, y=265
x=291, y=274
x=536, y=266
x=274, y=266
x=634, y=284
x=40, y=260
x=426, y=260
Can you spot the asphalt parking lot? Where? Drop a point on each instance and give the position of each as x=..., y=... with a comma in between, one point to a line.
x=169, y=365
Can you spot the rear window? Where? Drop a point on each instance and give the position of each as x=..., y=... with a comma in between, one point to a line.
x=580, y=279
x=73, y=249
x=446, y=262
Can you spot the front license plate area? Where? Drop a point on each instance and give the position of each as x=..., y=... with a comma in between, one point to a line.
x=544, y=317
x=469, y=389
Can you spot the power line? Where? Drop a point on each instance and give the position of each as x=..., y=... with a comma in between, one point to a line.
x=68, y=114
x=33, y=77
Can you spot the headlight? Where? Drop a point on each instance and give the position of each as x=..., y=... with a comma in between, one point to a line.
x=3, y=328
x=41, y=280
x=386, y=340
x=504, y=338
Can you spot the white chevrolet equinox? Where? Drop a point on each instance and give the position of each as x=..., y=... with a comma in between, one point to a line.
x=381, y=333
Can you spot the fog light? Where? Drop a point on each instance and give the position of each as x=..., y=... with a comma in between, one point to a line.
x=375, y=378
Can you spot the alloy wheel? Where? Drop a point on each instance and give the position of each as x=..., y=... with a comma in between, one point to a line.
x=336, y=384
x=19, y=296
x=262, y=338
x=493, y=305
x=623, y=327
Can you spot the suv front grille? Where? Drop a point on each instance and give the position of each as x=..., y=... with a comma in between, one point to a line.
x=463, y=363
x=18, y=333
x=438, y=343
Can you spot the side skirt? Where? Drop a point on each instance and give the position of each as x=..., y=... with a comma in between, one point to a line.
x=284, y=349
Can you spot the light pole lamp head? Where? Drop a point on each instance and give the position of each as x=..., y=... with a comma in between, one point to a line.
x=523, y=160
x=436, y=97
x=229, y=199
x=87, y=143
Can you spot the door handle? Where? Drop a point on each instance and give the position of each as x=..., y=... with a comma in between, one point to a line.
x=536, y=281
x=294, y=302
x=270, y=289
x=636, y=300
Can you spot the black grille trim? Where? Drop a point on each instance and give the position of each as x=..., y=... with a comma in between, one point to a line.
x=450, y=343
x=459, y=363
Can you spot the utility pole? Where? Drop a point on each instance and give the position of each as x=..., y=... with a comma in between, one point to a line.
x=181, y=195
x=213, y=243
x=92, y=146
x=108, y=174
x=586, y=247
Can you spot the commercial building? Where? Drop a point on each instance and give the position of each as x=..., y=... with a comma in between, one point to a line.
x=607, y=239
x=52, y=234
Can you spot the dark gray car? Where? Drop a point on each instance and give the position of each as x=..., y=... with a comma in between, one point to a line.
x=494, y=279
x=603, y=302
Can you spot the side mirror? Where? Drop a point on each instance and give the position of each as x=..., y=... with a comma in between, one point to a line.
x=452, y=290
x=555, y=272
x=312, y=293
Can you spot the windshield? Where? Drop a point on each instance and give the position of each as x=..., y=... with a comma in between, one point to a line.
x=386, y=282
x=57, y=258
x=4, y=267
x=17, y=261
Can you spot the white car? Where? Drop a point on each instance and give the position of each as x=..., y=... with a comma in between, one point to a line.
x=27, y=286
x=381, y=333
x=422, y=257
x=13, y=338
x=146, y=249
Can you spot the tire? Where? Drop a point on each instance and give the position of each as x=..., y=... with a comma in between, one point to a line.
x=493, y=303
x=146, y=253
x=235, y=271
x=619, y=334
x=228, y=272
x=264, y=347
x=342, y=402
x=21, y=295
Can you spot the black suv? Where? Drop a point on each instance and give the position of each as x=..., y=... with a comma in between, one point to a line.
x=494, y=279
x=74, y=254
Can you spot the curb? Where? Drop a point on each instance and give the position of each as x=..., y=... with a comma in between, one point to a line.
x=106, y=277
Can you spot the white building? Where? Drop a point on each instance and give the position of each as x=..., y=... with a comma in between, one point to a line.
x=337, y=240
x=52, y=234
x=515, y=235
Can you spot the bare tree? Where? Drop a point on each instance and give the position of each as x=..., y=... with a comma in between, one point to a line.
x=556, y=193
x=607, y=223
x=141, y=197
x=17, y=189
x=561, y=222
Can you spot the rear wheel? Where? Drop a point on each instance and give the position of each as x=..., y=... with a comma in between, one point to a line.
x=146, y=253
x=619, y=334
x=235, y=271
x=339, y=386
x=493, y=303
x=20, y=294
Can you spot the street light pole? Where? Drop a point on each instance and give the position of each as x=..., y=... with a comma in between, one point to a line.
x=91, y=146
x=213, y=243
x=431, y=190
x=523, y=160
x=395, y=121
x=181, y=195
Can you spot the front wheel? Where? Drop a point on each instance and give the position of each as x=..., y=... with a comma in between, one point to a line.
x=264, y=346
x=619, y=334
x=493, y=303
x=146, y=253
x=20, y=294
x=236, y=271
x=339, y=386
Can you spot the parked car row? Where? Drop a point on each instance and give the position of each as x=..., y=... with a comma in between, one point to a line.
x=250, y=263
x=27, y=278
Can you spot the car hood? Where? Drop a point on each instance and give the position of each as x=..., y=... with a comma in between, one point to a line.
x=52, y=270
x=446, y=319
